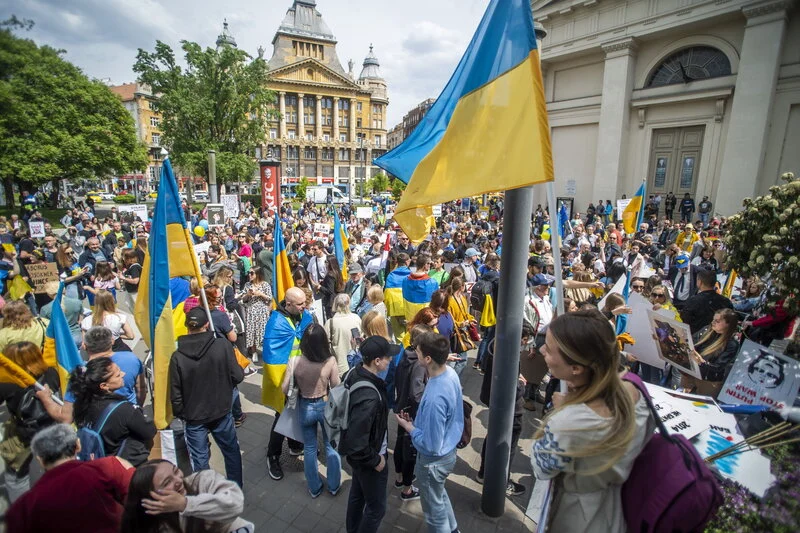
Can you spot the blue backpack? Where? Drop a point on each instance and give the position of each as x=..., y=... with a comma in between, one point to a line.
x=92, y=446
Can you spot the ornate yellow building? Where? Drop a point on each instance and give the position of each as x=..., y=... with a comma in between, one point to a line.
x=332, y=124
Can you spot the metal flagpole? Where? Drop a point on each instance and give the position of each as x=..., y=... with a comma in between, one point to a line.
x=555, y=245
x=505, y=370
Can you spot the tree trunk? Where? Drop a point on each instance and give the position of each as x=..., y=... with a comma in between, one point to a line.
x=8, y=187
x=54, y=196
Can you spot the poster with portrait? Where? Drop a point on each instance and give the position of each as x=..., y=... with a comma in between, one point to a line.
x=37, y=228
x=216, y=215
x=674, y=343
x=136, y=210
x=322, y=232
x=761, y=376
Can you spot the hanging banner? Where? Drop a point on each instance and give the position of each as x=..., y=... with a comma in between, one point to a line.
x=270, y=190
x=231, y=203
x=761, y=376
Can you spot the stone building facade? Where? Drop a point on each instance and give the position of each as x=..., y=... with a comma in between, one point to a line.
x=697, y=96
x=332, y=124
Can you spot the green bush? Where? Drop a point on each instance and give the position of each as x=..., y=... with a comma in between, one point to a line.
x=125, y=199
x=254, y=199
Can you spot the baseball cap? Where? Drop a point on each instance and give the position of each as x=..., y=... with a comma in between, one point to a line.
x=542, y=279
x=377, y=346
x=682, y=261
x=355, y=268
x=471, y=252
x=689, y=226
x=196, y=318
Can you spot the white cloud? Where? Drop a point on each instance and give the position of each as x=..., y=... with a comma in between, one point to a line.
x=418, y=42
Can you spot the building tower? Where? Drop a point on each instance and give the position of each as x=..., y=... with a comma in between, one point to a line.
x=225, y=38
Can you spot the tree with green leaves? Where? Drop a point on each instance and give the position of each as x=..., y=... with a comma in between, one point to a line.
x=55, y=123
x=219, y=101
x=397, y=189
x=378, y=183
x=300, y=189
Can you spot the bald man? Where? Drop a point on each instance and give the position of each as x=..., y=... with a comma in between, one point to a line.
x=282, y=336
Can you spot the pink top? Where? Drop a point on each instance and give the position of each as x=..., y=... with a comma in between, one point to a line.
x=245, y=251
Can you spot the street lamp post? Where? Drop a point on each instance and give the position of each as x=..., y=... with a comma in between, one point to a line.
x=363, y=167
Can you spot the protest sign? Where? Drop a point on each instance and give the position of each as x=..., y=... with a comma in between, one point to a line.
x=136, y=210
x=465, y=204
x=231, y=204
x=674, y=343
x=437, y=210
x=364, y=212
x=322, y=232
x=617, y=288
x=645, y=349
x=37, y=229
x=678, y=415
x=761, y=376
x=202, y=248
x=40, y=274
x=215, y=213
x=621, y=205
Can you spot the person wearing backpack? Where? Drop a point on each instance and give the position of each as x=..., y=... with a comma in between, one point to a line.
x=589, y=442
x=488, y=286
x=365, y=441
x=436, y=432
x=122, y=428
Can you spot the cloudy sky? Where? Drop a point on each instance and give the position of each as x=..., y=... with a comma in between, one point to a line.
x=418, y=42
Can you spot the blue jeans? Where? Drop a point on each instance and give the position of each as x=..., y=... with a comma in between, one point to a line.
x=459, y=366
x=311, y=414
x=236, y=404
x=366, y=505
x=431, y=474
x=486, y=340
x=196, y=436
x=704, y=218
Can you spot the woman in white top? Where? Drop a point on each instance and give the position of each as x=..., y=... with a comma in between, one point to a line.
x=105, y=314
x=588, y=443
x=339, y=329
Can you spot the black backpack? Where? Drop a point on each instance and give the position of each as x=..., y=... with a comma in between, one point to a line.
x=477, y=296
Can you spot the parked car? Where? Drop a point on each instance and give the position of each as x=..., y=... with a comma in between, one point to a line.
x=95, y=196
x=320, y=195
x=153, y=195
x=201, y=196
x=107, y=195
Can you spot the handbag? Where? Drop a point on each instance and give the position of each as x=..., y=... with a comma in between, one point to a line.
x=472, y=329
x=293, y=392
x=30, y=415
x=461, y=341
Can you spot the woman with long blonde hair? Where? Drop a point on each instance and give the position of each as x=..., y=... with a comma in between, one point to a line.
x=715, y=349
x=588, y=443
x=105, y=314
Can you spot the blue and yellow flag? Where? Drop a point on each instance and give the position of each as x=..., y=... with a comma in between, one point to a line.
x=634, y=214
x=488, y=129
x=169, y=254
x=59, y=350
x=727, y=290
x=282, y=279
x=341, y=244
x=622, y=319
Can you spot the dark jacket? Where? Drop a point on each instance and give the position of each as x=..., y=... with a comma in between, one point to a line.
x=492, y=276
x=718, y=365
x=110, y=242
x=126, y=433
x=368, y=421
x=410, y=380
x=698, y=310
x=87, y=258
x=202, y=375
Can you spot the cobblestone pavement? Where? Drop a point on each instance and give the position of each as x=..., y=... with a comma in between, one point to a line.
x=278, y=506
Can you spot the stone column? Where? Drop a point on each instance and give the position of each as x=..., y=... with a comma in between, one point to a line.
x=335, y=119
x=614, y=114
x=753, y=97
x=319, y=117
x=352, y=121
x=301, y=127
x=282, y=111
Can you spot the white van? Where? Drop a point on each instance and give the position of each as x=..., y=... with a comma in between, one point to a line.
x=319, y=194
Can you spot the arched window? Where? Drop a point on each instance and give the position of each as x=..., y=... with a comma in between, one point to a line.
x=690, y=64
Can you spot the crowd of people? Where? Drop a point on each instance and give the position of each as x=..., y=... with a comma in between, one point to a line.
x=394, y=326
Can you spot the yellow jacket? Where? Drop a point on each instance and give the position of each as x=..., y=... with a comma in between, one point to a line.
x=685, y=242
x=459, y=310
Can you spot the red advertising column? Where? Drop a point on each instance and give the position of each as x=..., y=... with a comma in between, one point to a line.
x=270, y=185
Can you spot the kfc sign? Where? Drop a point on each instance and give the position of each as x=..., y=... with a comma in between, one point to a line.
x=270, y=191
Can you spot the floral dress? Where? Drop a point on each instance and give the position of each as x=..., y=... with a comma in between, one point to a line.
x=256, y=312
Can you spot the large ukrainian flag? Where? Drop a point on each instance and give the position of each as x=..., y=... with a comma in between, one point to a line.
x=59, y=350
x=169, y=254
x=488, y=129
x=634, y=213
x=282, y=279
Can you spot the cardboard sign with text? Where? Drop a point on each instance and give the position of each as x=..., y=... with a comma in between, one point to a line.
x=41, y=274
x=137, y=210
x=761, y=376
x=231, y=204
x=364, y=213
x=322, y=232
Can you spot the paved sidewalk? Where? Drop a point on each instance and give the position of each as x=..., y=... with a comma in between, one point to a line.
x=278, y=506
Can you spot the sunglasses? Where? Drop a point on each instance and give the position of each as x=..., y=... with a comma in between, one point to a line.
x=658, y=295
x=637, y=287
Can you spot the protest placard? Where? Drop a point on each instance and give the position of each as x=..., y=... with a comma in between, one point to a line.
x=37, y=228
x=136, y=210
x=645, y=349
x=674, y=343
x=617, y=289
x=678, y=415
x=322, y=232
x=40, y=274
x=437, y=210
x=621, y=205
x=761, y=376
x=216, y=215
x=364, y=212
x=231, y=204
x=202, y=248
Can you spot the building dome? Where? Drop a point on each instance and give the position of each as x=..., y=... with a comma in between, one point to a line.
x=225, y=38
x=371, y=67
